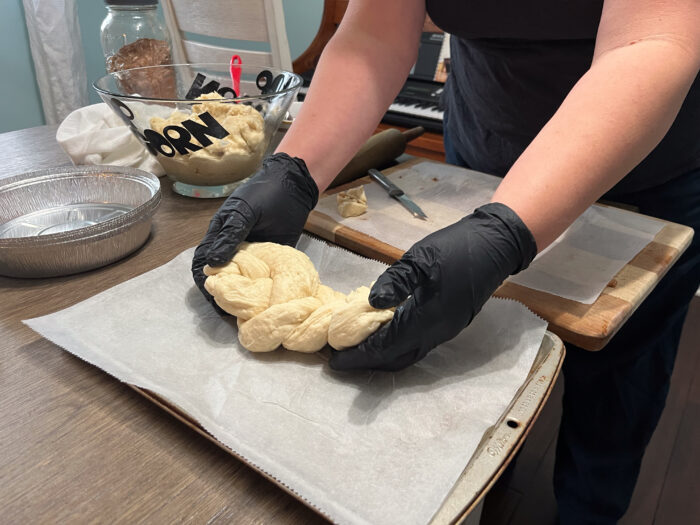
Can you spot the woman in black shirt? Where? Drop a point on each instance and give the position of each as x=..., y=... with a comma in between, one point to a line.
x=568, y=101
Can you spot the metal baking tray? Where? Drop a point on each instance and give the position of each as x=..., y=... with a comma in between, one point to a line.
x=496, y=450
x=71, y=219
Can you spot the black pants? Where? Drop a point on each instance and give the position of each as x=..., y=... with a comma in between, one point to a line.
x=613, y=398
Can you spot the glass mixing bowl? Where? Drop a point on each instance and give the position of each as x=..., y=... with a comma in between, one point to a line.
x=208, y=134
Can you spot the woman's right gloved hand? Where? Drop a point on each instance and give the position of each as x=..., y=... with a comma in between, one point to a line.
x=271, y=206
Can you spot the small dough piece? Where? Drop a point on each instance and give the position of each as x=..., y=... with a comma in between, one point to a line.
x=352, y=202
x=354, y=321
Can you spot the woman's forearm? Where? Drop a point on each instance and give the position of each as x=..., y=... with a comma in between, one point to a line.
x=612, y=118
x=360, y=72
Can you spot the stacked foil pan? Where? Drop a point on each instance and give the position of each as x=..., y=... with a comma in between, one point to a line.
x=71, y=219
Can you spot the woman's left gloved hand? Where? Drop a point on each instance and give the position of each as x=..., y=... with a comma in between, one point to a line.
x=444, y=280
x=272, y=206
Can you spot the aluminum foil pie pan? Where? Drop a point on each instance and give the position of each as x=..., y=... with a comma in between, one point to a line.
x=71, y=219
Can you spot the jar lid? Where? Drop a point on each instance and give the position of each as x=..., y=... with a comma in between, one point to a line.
x=131, y=2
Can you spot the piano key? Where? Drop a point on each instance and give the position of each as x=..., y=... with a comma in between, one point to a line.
x=413, y=110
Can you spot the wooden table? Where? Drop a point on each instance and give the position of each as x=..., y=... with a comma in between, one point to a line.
x=78, y=446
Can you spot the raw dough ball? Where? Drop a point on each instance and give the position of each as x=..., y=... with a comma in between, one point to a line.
x=352, y=202
x=276, y=294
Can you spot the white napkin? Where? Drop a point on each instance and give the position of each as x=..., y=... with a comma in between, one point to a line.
x=95, y=135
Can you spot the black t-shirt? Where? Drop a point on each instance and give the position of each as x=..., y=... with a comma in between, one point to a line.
x=512, y=64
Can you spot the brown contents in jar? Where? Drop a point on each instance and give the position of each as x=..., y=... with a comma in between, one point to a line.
x=155, y=82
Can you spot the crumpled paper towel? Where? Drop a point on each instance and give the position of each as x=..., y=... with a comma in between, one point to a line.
x=365, y=447
x=95, y=135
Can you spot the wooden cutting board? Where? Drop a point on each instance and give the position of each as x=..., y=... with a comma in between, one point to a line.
x=589, y=326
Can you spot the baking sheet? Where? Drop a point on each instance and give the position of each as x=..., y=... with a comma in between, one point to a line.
x=360, y=447
x=577, y=266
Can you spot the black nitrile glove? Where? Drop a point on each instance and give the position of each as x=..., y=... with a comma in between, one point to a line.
x=445, y=279
x=272, y=206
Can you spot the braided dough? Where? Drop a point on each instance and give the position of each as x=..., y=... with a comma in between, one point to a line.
x=276, y=294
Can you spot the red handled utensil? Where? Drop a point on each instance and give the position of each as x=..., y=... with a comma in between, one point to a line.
x=235, y=68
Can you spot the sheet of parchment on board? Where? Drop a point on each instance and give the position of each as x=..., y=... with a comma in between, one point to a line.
x=577, y=266
x=362, y=447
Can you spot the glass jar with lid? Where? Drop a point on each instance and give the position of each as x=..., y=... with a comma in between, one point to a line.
x=134, y=35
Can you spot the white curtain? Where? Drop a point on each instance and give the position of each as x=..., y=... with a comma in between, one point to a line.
x=57, y=50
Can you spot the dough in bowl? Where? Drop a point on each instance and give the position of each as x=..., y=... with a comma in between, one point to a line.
x=276, y=294
x=232, y=158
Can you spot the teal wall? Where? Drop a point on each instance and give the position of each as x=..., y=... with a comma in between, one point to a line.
x=90, y=15
x=302, y=18
x=20, y=104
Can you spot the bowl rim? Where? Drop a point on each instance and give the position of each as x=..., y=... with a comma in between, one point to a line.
x=138, y=213
x=103, y=91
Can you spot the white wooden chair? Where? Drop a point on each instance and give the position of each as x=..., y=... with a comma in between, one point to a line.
x=248, y=20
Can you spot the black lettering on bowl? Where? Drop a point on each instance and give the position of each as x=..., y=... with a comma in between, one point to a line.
x=177, y=138
x=127, y=116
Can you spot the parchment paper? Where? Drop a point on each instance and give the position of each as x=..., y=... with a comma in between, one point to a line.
x=361, y=447
x=577, y=266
